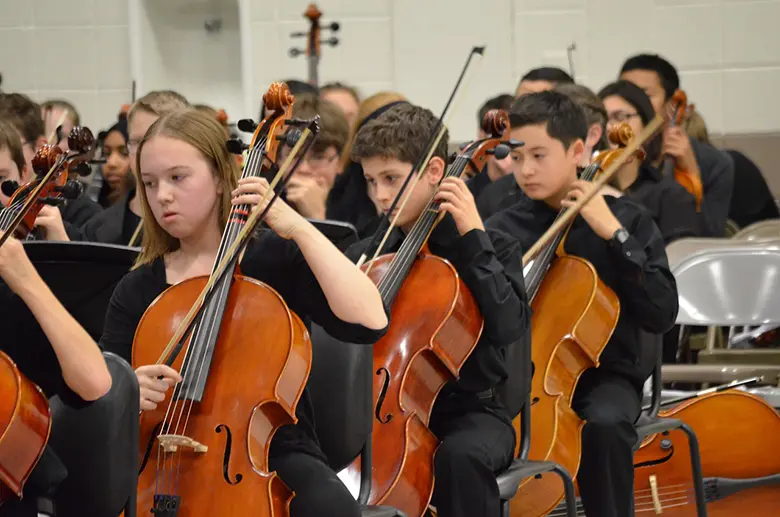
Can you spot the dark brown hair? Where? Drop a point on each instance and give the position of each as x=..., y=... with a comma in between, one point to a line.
x=400, y=133
x=10, y=139
x=23, y=114
x=334, y=128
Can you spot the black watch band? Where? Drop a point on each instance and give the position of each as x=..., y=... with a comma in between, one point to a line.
x=620, y=236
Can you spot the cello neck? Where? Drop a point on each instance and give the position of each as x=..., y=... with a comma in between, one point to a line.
x=415, y=241
x=314, y=63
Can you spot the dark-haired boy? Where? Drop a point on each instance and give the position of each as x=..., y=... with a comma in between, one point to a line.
x=659, y=79
x=542, y=79
x=474, y=427
x=624, y=245
x=495, y=169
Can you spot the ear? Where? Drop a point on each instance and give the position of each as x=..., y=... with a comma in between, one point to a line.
x=24, y=174
x=594, y=135
x=435, y=170
x=577, y=150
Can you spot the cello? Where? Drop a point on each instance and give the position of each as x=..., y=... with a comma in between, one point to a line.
x=25, y=415
x=435, y=325
x=690, y=180
x=205, y=448
x=313, y=42
x=568, y=335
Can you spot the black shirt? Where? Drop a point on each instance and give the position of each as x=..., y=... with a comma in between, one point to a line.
x=673, y=208
x=80, y=210
x=637, y=271
x=270, y=259
x=751, y=201
x=114, y=225
x=498, y=195
x=717, y=177
x=348, y=201
x=490, y=264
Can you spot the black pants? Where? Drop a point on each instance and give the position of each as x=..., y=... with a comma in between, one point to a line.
x=90, y=464
x=477, y=442
x=318, y=491
x=610, y=405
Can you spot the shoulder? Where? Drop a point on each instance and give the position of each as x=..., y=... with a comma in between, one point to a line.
x=267, y=252
x=357, y=249
x=140, y=280
x=628, y=211
x=520, y=210
x=709, y=156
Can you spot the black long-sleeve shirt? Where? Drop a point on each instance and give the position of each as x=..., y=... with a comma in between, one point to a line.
x=751, y=199
x=637, y=271
x=717, y=177
x=673, y=208
x=490, y=264
x=269, y=259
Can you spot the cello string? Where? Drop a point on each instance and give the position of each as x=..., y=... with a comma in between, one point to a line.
x=418, y=234
x=176, y=406
x=663, y=496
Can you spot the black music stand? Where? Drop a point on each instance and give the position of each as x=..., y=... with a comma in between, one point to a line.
x=340, y=233
x=82, y=275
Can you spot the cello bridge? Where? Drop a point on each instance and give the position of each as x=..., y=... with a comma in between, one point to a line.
x=172, y=442
x=657, y=506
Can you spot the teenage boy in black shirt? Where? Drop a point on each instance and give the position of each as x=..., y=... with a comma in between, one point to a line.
x=659, y=79
x=475, y=429
x=624, y=245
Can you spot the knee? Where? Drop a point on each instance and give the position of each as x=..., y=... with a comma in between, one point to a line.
x=606, y=427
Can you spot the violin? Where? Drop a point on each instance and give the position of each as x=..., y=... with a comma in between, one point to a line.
x=313, y=42
x=568, y=334
x=434, y=326
x=691, y=181
x=25, y=424
x=205, y=448
x=51, y=185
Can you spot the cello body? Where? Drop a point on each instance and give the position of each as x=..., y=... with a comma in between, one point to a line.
x=25, y=424
x=739, y=436
x=575, y=314
x=258, y=372
x=434, y=326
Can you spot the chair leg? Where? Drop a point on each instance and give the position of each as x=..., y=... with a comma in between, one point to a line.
x=698, y=478
x=568, y=489
x=504, y=508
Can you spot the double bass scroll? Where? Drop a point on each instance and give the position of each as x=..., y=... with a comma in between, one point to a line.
x=313, y=49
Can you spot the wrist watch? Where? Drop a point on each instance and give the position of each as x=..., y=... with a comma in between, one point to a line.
x=620, y=236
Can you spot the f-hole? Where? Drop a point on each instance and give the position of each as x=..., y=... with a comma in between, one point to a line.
x=226, y=457
x=152, y=438
x=382, y=395
x=658, y=461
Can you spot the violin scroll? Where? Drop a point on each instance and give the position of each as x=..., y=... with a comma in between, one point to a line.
x=495, y=123
x=620, y=134
x=278, y=97
x=81, y=140
x=46, y=158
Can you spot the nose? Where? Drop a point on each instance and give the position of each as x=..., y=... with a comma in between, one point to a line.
x=164, y=193
x=304, y=169
x=382, y=195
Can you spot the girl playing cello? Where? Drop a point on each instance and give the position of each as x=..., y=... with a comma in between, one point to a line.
x=187, y=184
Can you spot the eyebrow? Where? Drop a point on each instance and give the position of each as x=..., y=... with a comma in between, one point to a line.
x=536, y=148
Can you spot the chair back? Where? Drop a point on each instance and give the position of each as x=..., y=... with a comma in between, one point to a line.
x=737, y=286
x=679, y=250
x=762, y=230
x=342, y=392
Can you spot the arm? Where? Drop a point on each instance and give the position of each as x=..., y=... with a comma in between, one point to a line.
x=83, y=367
x=648, y=291
x=490, y=263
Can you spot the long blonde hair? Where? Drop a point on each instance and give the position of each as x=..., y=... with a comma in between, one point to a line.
x=205, y=134
x=367, y=107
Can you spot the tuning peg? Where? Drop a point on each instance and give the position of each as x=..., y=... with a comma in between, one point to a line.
x=292, y=136
x=295, y=52
x=514, y=144
x=501, y=151
x=333, y=41
x=299, y=34
x=9, y=187
x=236, y=146
x=81, y=168
x=247, y=125
x=296, y=122
x=334, y=26
x=71, y=189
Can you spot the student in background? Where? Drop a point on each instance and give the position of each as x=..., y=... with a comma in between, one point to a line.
x=541, y=79
x=751, y=198
x=345, y=97
x=307, y=191
x=58, y=111
x=673, y=208
x=659, y=79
